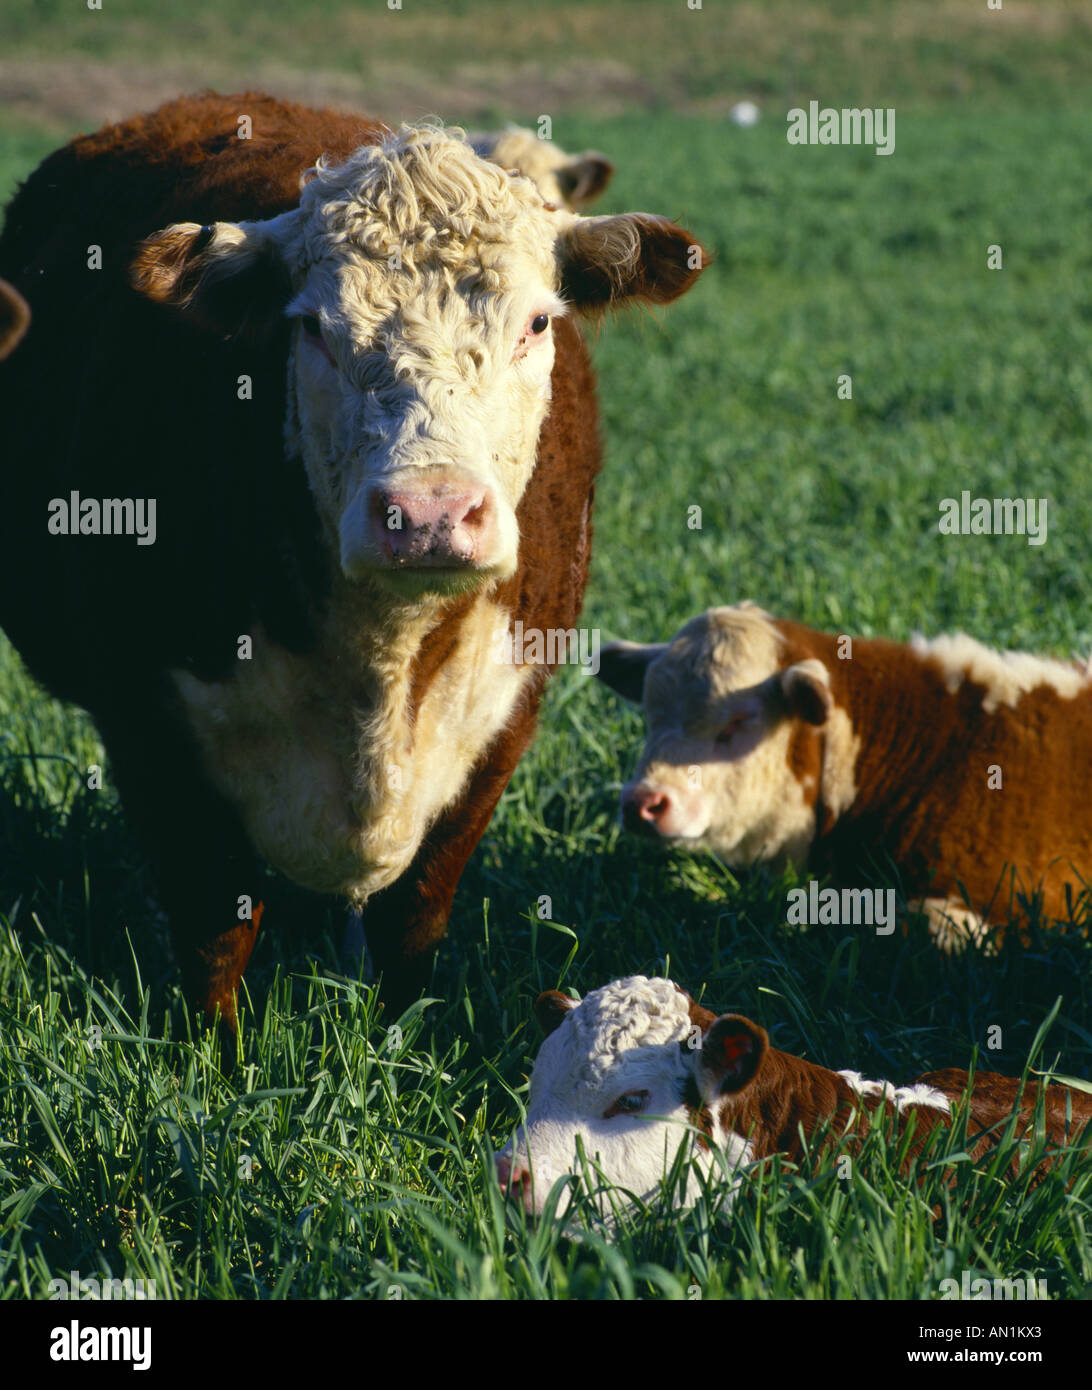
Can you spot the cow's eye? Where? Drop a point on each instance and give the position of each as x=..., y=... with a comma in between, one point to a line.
x=311, y=326
x=540, y=323
x=629, y=1103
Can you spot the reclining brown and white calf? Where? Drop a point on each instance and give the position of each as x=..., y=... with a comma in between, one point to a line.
x=566, y=180
x=768, y=740
x=637, y=1066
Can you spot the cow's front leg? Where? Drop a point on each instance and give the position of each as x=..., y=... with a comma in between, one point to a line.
x=404, y=923
x=206, y=876
x=212, y=966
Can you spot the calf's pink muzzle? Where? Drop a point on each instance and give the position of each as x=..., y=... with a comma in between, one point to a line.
x=515, y=1180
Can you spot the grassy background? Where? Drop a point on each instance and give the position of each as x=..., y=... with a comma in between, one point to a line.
x=344, y=1160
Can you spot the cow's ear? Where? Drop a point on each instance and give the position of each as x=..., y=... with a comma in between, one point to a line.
x=611, y=260
x=806, y=688
x=228, y=277
x=622, y=666
x=14, y=317
x=732, y=1052
x=584, y=177
x=701, y=1020
x=551, y=1008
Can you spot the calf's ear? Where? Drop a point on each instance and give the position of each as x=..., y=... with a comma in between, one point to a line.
x=607, y=261
x=227, y=277
x=14, y=317
x=551, y=1008
x=806, y=688
x=622, y=666
x=732, y=1052
x=584, y=177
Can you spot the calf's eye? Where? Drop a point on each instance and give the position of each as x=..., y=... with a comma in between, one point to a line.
x=629, y=1103
x=540, y=323
x=311, y=326
x=733, y=726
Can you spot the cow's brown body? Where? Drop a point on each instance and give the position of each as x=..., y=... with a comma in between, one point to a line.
x=792, y=1098
x=788, y=1099
x=953, y=784
x=116, y=396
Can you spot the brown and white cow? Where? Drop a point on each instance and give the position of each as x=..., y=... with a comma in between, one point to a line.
x=342, y=364
x=770, y=741
x=637, y=1068
x=566, y=180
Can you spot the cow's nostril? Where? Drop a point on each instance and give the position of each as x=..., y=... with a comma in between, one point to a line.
x=418, y=523
x=644, y=811
x=513, y=1178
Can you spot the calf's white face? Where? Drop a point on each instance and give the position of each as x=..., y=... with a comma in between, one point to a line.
x=722, y=709
x=424, y=282
x=614, y=1072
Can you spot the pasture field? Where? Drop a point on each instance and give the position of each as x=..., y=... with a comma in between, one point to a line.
x=347, y=1160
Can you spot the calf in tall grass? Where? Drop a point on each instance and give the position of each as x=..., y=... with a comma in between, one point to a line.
x=637, y=1066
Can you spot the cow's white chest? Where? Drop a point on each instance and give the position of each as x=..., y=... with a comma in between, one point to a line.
x=336, y=783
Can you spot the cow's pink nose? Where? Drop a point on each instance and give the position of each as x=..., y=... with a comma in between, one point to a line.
x=437, y=526
x=514, y=1178
x=644, y=808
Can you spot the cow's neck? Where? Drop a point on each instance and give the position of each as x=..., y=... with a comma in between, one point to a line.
x=904, y=740
x=418, y=672
x=432, y=695
x=790, y=1096
x=340, y=758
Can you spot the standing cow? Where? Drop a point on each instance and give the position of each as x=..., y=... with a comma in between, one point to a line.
x=302, y=424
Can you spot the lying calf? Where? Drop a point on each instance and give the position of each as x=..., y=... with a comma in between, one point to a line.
x=566, y=180
x=629, y=1068
x=770, y=741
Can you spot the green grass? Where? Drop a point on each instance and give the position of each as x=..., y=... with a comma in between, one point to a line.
x=368, y=1170
x=654, y=52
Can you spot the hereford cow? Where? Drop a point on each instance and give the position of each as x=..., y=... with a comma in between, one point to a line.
x=303, y=422
x=567, y=180
x=14, y=318
x=637, y=1068
x=769, y=741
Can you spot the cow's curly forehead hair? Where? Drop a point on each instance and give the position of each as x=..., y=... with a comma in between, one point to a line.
x=421, y=192
x=619, y=1019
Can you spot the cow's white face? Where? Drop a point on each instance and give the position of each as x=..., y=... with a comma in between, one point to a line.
x=722, y=711
x=423, y=358
x=613, y=1074
x=424, y=283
